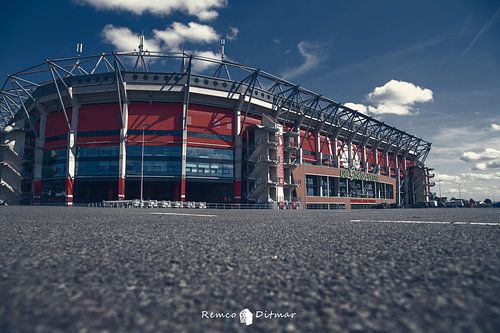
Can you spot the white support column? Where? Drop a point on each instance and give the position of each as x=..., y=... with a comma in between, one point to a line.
x=319, y=155
x=122, y=164
x=238, y=151
x=375, y=154
x=335, y=152
x=349, y=154
x=299, y=151
x=71, y=150
x=363, y=158
x=387, y=167
x=398, y=179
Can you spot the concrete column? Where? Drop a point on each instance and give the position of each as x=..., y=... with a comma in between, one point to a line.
x=185, y=109
x=319, y=154
x=349, y=155
x=363, y=158
x=299, y=151
x=122, y=163
x=335, y=152
x=398, y=180
x=38, y=158
x=237, y=155
x=387, y=167
x=71, y=152
x=375, y=152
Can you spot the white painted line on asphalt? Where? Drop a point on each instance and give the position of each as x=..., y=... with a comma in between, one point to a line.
x=183, y=214
x=428, y=222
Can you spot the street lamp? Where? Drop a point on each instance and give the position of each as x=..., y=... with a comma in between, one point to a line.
x=459, y=194
x=142, y=166
x=439, y=184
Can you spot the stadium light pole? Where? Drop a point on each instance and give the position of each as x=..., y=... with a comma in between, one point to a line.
x=142, y=166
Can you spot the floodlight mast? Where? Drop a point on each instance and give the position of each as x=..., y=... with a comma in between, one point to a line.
x=222, y=46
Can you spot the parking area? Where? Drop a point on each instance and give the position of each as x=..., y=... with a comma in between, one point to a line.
x=96, y=269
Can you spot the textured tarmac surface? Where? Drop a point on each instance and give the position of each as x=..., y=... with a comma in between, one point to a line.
x=126, y=270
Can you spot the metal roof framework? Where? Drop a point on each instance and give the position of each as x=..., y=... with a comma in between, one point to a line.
x=293, y=105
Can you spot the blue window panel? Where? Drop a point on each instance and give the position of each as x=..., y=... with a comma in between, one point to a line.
x=219, y=170
x=167, y=151
x=54, y=163
x=210, y=153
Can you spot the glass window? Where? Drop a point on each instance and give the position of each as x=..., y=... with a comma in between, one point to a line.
x=389, y=191
x=332, y=192
x=210, y=162
x=370, y=189
x=312, y=185
x=324, y=187
x=343, y=187
x=54, y=163
x=158, y=160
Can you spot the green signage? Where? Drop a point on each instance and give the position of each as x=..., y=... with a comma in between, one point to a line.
x=358, y=175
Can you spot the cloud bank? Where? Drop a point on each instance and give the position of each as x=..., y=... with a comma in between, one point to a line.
x=395, y=97
x=204, y=10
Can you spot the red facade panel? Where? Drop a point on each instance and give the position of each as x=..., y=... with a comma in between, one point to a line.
x=308, y=146
x=370, y=159
x=215, y=124
x=157, y=117
x=56, y=129
x=102, y=121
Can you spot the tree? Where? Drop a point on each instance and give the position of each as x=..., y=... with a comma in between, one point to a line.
x=487, y=201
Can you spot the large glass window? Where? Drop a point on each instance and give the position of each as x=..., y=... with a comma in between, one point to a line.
x=332, y=192
x=324, y=187
x=370, y=189
x=355, y=188
x=381, y=187
x=158, y=160
x=389, y=191
x=54, y=163
x=97, y=161
x=312, y=185
x=210, y=162
x=342, y=187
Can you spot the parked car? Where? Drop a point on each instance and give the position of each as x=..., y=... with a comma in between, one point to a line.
x=164, y=204
x=176, y=204
x=455, y=204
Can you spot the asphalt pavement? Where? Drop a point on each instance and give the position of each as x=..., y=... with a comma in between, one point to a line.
x=151, y=270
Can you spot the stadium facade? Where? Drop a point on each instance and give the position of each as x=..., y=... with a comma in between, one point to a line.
x=85, y=129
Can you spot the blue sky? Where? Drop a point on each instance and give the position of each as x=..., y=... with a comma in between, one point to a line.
x=431, y=68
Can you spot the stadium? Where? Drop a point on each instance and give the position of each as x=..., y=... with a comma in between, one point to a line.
x=178, y=126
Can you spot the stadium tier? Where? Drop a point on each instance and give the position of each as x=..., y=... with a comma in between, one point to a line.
x=183, y=127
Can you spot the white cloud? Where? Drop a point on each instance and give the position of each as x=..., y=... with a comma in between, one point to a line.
x=232, y=33
x=178, y=33
x=487, y=165
x=358, y=107
x=311, y=61
x=447, y=179
x=202, y=9
x=485, y=160
x=469, y=176
x=125, y=40
x=200, y=66
x=396, y=98
x=485, y=155
x=494, y=127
